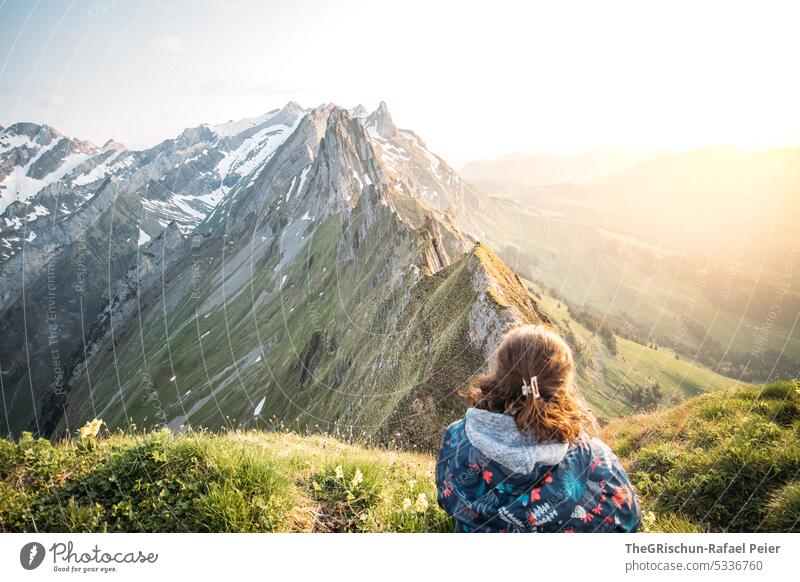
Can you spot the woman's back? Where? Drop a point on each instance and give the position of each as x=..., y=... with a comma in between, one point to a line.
x=553, y=487
x=521, y=460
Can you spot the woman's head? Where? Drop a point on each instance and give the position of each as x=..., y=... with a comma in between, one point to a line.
x=559, y=413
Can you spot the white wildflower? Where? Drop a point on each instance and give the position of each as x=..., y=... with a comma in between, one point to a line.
x=90, y=429
x=357, y=479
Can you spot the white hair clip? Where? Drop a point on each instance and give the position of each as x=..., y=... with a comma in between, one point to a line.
x=533, y=389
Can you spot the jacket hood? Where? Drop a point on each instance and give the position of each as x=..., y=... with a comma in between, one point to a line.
x=496, y=435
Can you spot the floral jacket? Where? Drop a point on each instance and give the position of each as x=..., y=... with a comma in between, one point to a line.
x=492, y=478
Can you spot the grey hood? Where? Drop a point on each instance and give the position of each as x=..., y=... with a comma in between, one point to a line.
x=496, y=436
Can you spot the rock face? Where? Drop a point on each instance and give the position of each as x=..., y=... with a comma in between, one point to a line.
x=328, y=289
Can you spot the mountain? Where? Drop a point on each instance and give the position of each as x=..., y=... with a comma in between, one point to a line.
x=544, y=169
x=698, y=203
x=44, y=174
x=33, y=156
x=329, y=288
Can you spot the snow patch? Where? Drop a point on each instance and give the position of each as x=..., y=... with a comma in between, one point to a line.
x=144, y=238
x=260, y=405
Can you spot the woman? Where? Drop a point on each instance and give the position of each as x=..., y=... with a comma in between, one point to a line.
x=521, y=459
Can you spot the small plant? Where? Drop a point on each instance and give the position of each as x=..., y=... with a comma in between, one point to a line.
x=89, y=431
x=414, y=508
x=348, y=497
x=783, y=509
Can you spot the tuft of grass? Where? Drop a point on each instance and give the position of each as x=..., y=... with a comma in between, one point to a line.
x=783, y=509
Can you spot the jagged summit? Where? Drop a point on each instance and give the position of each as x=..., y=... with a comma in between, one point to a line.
x=112, y=145
x=42, y=133
x=358, y=111
x=380, y=121
x=32, y=157
x=287, y=115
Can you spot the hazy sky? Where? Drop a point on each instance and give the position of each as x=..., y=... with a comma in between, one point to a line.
x=475, y=80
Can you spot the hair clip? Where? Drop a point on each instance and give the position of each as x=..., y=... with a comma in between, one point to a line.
x=532, y=389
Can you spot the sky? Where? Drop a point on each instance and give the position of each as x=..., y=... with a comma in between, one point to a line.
x=476, y=80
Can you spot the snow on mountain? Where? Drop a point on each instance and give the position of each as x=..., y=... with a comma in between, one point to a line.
x=414, y=169
x=33, y=156
x=43, y=173
x=45, y=176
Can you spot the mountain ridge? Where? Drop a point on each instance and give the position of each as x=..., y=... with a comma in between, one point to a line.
x=353, y=193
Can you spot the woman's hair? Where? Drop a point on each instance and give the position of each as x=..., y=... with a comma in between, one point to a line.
x=559, y=413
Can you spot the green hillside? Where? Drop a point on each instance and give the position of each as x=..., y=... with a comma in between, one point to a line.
x=727, y=461
x=716, y=311
x=356, y=335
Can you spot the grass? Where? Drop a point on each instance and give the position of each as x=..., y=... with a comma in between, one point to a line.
x=726, y=461
x=236, y=482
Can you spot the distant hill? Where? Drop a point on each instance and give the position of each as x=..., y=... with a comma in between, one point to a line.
x=718, y=204
x=620, y=376
x=694, y=250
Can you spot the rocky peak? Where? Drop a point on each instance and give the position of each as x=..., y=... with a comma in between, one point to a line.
x=287, y=115
x=293, y=107
x=194, y=135
x=359, y=111
x=113, y=145
x=171, y=237
x=346, y=160
x=502, y=300
x=42, y=134
x=381, y=121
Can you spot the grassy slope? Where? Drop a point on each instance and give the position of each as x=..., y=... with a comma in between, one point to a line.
x=235, y=482
x=605, y=377
x=725, y=461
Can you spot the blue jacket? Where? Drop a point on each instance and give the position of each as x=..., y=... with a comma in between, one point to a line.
x=492, y=478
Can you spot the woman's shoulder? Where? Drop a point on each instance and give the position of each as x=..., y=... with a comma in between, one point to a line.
x=589, y=450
